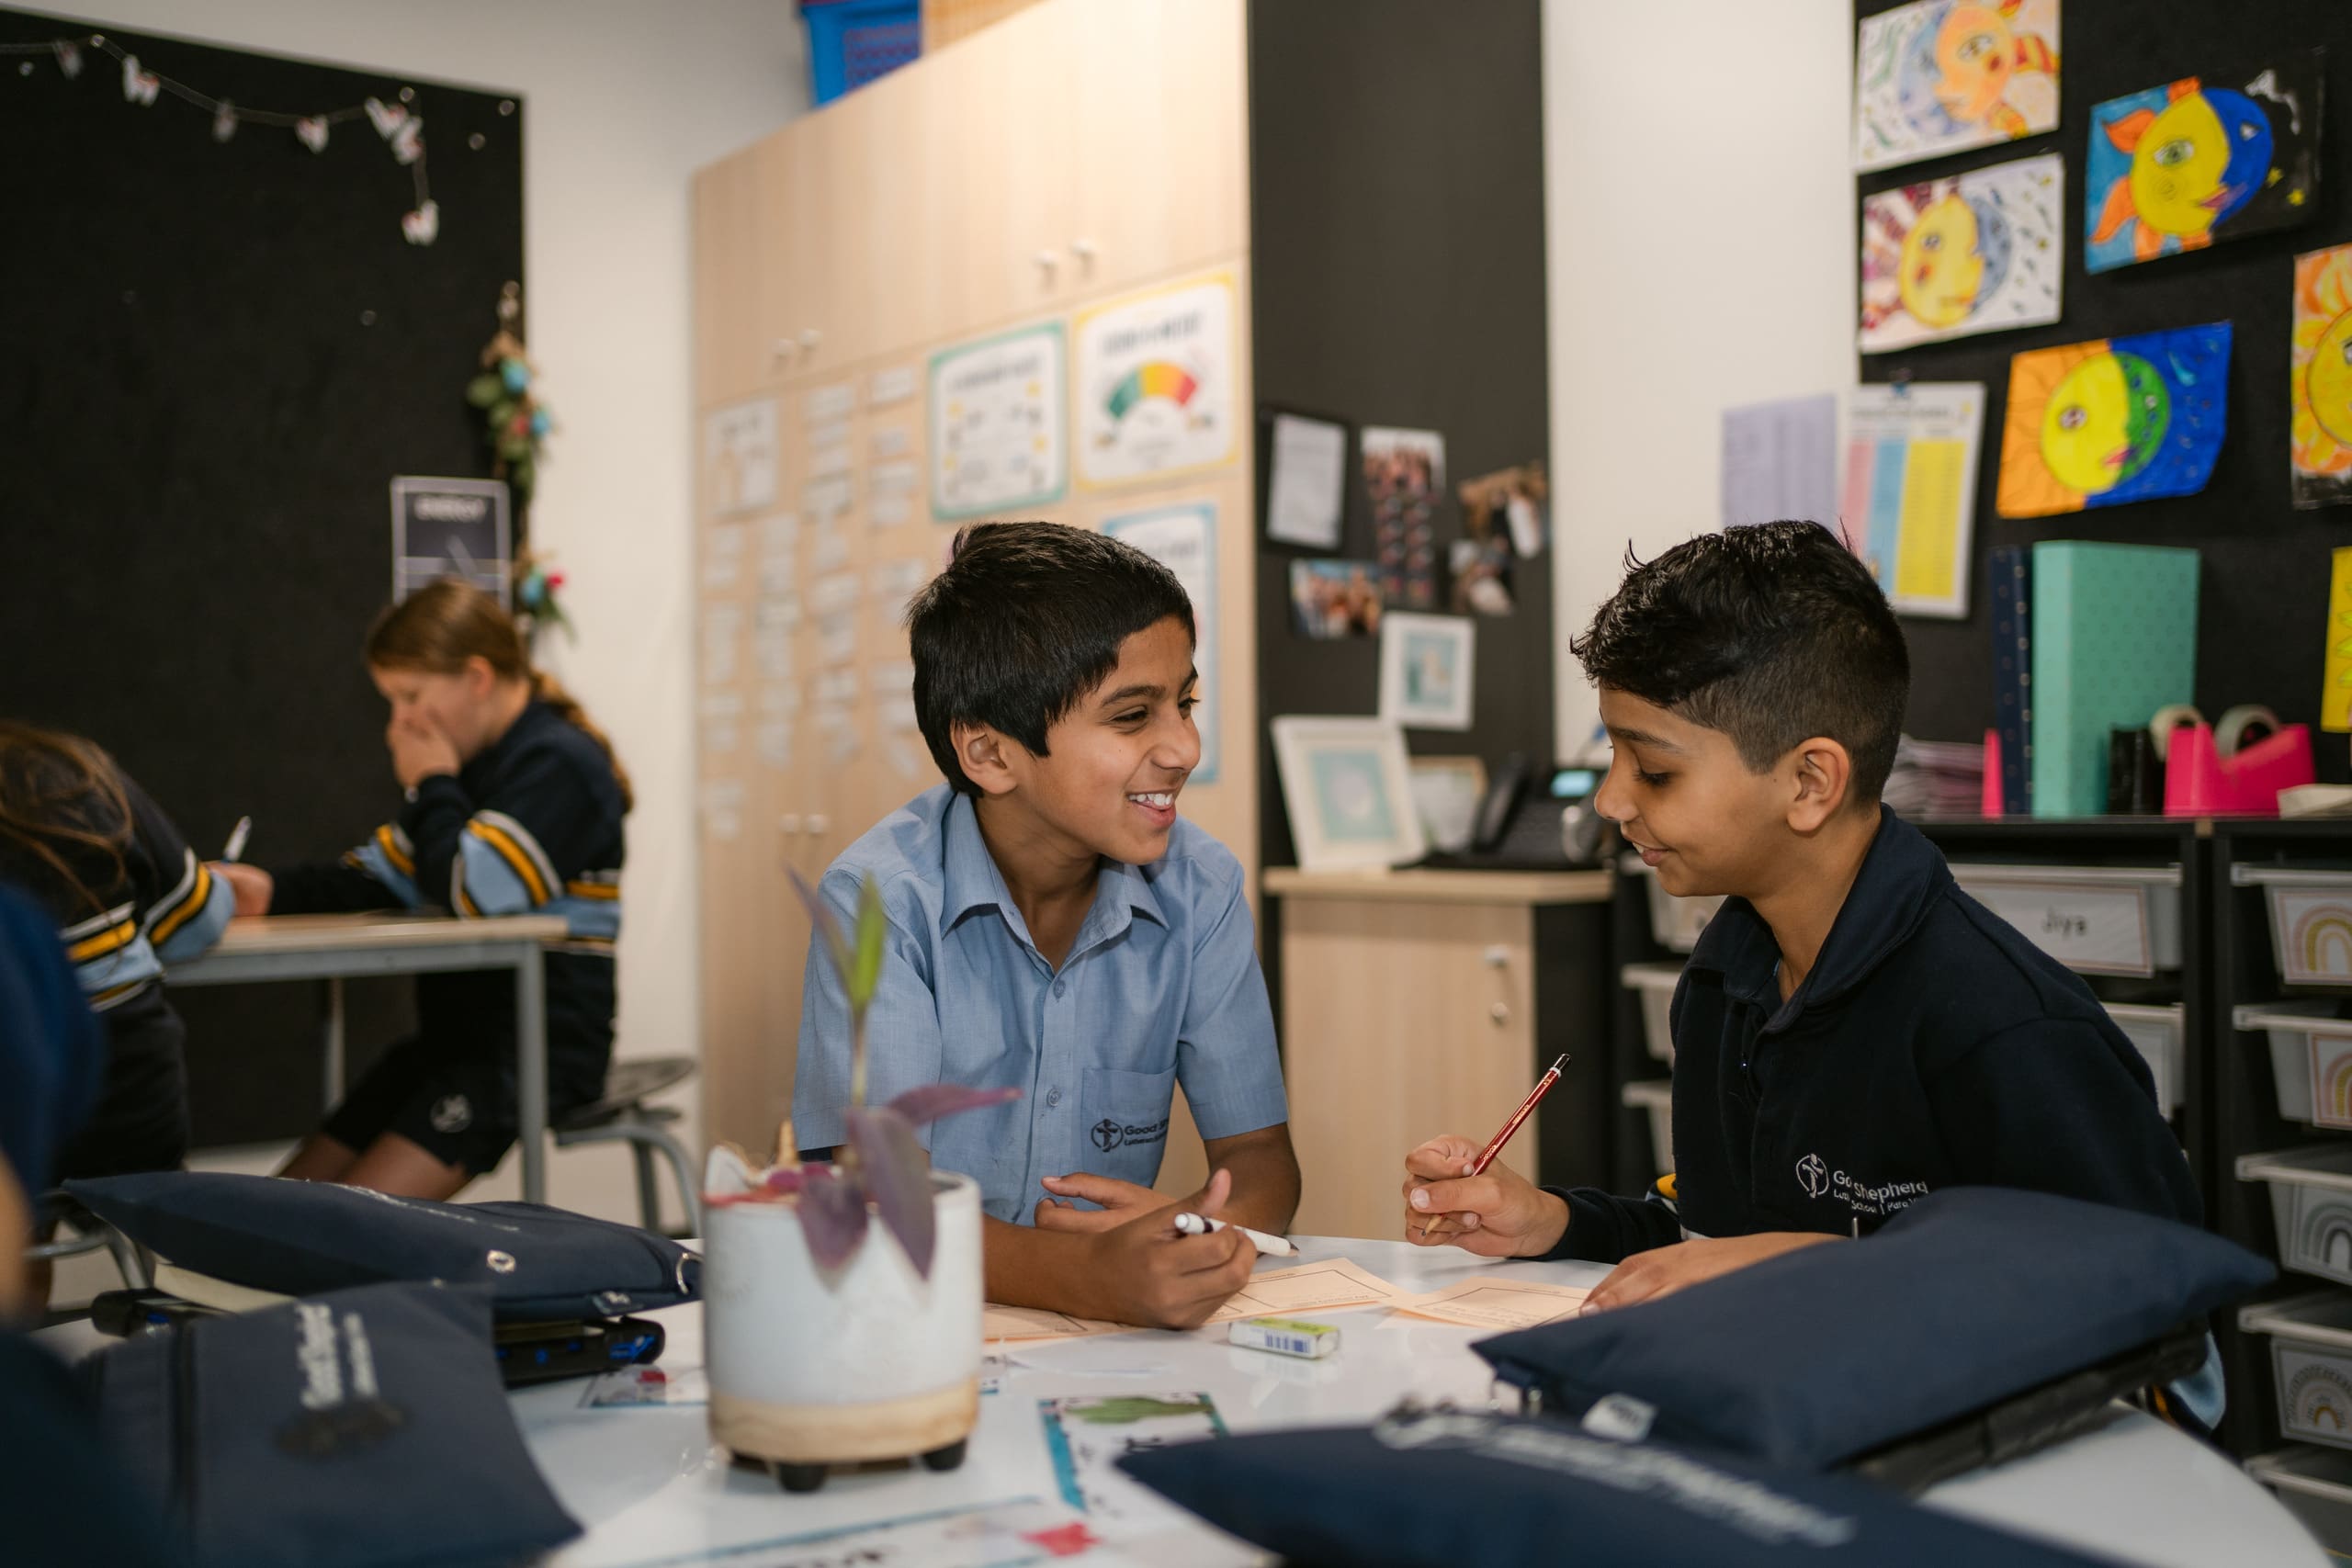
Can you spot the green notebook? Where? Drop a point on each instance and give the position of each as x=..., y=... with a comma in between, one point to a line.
x=2114, y=639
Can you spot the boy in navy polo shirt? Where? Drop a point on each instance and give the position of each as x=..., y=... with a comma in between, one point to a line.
x=1852, y=1031
x=1055, y=927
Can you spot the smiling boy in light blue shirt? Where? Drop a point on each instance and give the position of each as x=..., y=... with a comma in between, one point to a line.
x=1056, y=928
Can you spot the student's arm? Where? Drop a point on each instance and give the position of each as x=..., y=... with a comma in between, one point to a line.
x=2050, y=1106
x=183, y=907
x=1143, y=1273
x=1227, y=1059
x=513, y=850
x=1502, y=1214
x=1261, y=1165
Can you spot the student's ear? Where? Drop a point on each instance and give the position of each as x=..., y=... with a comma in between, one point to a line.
x=1822, y=773
x=480, y=678
x=983, y=754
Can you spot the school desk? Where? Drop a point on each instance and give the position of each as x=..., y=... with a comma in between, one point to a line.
x=651, y=1489
x=335, y=947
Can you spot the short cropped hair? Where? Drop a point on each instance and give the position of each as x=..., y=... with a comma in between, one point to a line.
x=1027, y=619
x=1772, y=634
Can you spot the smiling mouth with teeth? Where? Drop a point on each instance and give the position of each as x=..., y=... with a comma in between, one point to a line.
x=1160, y=800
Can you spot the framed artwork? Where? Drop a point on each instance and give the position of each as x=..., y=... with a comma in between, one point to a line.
x=1427, y=670
x=1349, y=793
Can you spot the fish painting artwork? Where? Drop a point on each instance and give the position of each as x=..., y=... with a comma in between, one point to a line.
x=2318, y=399
x=1940, y=75
x=2173, y=168
x=1975, y=253
x=2114, y=420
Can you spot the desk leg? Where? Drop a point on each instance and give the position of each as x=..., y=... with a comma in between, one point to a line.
x=531, y=1070
x=331, y=1043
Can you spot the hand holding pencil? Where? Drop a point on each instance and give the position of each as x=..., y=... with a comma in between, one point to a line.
x=1454, y=1192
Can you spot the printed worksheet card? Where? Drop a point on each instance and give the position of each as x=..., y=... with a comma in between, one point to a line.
x=1326, y=1286
x=1183, y=539
x=1981, y=251
x=1780, y=459
x=1088, y=1434
x=1497, y=1301
x=1940, y=75
x=1910, y=490
x=1155, y=384
x=997, y=440
x=739, y=458
x=1023, y=1533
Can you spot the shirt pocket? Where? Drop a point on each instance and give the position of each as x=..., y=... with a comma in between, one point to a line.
x=1126, y=1122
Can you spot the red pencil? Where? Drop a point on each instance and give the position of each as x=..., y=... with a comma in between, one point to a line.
x=1495, y=1144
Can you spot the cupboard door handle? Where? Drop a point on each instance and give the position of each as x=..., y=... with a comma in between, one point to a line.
x=1499, y=1012
x=782, y=351
x=819, y=825
x=1046, y=263
x=811, y=337
x=1496, y=957
x=1085, y=251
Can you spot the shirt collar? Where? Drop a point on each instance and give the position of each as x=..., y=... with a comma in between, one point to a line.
x=971, y=881
x=1901, y=877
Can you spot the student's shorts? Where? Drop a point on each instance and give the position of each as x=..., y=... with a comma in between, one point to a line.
x=457, y=1103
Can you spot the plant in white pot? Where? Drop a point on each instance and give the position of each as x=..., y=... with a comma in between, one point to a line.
x=826, y=1344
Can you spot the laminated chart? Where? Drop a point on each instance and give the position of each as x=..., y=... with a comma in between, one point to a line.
x=996, y=438
x=1155, y=383
x=1910, y=490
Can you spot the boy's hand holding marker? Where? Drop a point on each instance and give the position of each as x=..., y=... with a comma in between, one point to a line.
x=1147, y=1271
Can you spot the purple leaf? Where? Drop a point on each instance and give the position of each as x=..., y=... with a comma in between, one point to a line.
x=832, y=1213
x=786, y=1179
x=898, y=1176
x=933, y=1101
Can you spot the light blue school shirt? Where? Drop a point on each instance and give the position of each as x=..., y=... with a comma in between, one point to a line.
x=1161, y=987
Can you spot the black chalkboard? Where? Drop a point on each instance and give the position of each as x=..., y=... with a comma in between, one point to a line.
x=2263, y=597
x=214, y=356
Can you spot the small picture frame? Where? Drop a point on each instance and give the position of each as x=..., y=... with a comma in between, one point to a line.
x=1448, y=791
x=1427, y=670
x=1349, y=793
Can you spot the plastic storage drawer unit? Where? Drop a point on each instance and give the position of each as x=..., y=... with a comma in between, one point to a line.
x=1657, y=1097
x=2096, y=920
x=2311, y=921
x=2310, y=1356
x=2311, y=1058
x=1655, y=982
x=2310, y=1202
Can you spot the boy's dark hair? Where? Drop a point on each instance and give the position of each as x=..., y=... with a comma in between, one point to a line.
x=1772, y=634
x=1027, y=619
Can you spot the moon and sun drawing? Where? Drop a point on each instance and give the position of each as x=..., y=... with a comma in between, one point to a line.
x=2113, y=421
x=1975, y=253
x=2176, y=167
x=2320, y=375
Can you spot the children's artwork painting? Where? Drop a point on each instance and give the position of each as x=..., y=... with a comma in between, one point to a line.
x=2334, y=709
x=2176, y=167
x=1427, y=670
x=1332, y=598
x=1943, y=74
x=2115, y=420
x=2319, y=431
x=1975, y=253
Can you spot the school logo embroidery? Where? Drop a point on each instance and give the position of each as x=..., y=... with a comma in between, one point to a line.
x=453, y=1114
x=1813, y=1175
x=1109, y=1134
x=1106, y=1134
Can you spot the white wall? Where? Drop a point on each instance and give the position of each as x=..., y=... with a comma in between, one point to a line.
x=1700, y=227
x=623, y=100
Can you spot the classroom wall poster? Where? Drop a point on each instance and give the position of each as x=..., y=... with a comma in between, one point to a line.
x=1981, y=251
x=1943, y=74
x=2176, y=167
x=1404, y=472
x=1910, y=492
x=1155, y=383
x=1780, y=459
x=2320, y=369
x=2335, y=668
x=1183, y=539
x=739, y=462
x=996, y=438
x=2114, y=420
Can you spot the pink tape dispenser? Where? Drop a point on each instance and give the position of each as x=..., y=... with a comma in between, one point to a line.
x=2234, y=769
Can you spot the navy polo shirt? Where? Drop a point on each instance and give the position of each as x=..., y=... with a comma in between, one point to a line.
x=1932, y=1046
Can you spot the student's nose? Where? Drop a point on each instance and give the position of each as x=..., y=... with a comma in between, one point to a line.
x=1614, y=799
x=1179, y=745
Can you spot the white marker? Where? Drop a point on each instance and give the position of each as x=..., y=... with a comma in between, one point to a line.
x=1279, y=1247
x=237, y=837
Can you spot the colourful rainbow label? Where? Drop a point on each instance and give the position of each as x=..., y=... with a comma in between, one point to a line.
x=2321, y=940
x=2331, y=1081
x=1154, y=378
x=2318, y=1398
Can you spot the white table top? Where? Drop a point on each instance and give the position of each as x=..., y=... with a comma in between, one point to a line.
x=332, y=933
x=651, y=1487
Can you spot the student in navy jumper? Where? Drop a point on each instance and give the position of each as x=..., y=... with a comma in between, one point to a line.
x=1852, y=1031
